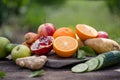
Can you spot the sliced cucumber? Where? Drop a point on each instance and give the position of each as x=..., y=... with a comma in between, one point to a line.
x=80, y=68
x=111, y=58
x=101, y=61
x=92, y=64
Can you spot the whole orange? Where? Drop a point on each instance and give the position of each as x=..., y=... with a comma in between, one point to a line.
x=64, y=31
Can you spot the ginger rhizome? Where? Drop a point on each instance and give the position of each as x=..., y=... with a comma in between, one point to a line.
x=32, y=62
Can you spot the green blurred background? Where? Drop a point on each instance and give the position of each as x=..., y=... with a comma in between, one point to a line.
x=20, y=16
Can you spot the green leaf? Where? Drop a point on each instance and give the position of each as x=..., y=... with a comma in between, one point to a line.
x=89, y=51
x=37, y=73
x=81, y=54
x=2, y=74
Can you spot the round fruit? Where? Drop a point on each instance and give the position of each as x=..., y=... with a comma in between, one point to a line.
x=20, y=51
x=102, y=34
x=26, y=44
x=64, y=31
x=65, y=46
x=85, y=31
x=3, y=43
x=30, y=37
x=42, y=46
x=46, y=29
x=10, y=46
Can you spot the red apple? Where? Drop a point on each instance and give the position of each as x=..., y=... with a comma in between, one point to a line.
x=102, y=34
x=46, y=29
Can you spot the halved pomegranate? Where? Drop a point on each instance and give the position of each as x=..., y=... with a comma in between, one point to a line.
x=42, y=46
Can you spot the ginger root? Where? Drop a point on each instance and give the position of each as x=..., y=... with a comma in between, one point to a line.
x=32, y=62
x=101, y=45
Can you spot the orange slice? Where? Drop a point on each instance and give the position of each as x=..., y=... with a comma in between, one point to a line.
x=85, y=31
x=65, y=46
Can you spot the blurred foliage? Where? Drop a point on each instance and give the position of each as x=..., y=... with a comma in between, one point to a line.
x=50, y=2
x=32, y=11
x=20, y=16
x=17, y=18
x=114, y=6
x=11, y=7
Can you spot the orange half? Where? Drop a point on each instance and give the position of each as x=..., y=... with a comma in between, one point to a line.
x=85, y=31
x=65, y=46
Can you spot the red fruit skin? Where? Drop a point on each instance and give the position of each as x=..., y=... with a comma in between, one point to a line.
x=43, y=51
x=102, y=34
x=30, y=37
x=46, y=29
x=42, y=46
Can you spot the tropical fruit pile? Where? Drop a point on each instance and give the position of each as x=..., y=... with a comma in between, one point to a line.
x=63, y=41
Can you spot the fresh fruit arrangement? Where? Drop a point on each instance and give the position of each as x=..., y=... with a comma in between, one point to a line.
x=65, y=43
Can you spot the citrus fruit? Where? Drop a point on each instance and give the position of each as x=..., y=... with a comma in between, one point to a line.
x=10, y=46
x=85, y=31
x=3, y=43
x=65, y=46
x=64, y=31
x=80, y=43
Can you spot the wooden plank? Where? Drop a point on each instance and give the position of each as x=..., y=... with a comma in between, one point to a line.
x=15, y=72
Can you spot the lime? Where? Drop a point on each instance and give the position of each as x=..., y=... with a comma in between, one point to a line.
x=3, y=43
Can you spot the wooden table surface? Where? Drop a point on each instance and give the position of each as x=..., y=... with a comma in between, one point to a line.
x=14, y=72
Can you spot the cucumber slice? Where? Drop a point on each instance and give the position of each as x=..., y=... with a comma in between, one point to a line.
x=80, y=68
x=92, y=64
x=101, y=61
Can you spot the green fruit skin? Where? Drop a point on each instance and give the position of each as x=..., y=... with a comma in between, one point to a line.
x=20, y=51
x=10, y=46
x=3, y=42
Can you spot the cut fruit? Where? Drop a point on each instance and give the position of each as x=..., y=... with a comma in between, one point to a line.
x=64, y=31
x=80, y=43
x=80, y=68
x=42, y=46
x=92, y=64
x=65, y=46
x=85, y=31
